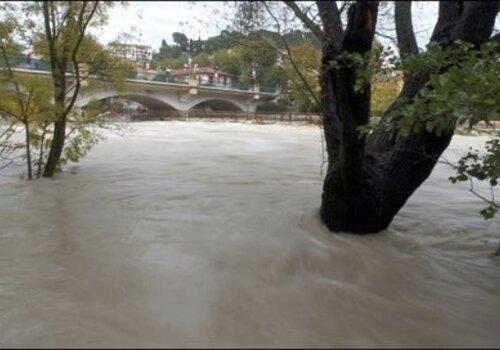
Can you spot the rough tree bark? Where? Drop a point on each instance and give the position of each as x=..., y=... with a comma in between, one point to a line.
x=346, y=202
x=370, y=179
x=331, y=38
x=59, y=134
x=407, y=44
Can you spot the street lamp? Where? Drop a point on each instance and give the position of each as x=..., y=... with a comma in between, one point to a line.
x=255, y=67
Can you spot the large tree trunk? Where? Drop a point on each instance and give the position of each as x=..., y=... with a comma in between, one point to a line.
x=345, y=199
x=371, y=179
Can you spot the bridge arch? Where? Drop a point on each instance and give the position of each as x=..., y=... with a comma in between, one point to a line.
x=182, y=101
x=152, y=102
x=218, y=104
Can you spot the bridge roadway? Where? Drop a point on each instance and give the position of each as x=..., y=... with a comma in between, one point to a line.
x=161, y=96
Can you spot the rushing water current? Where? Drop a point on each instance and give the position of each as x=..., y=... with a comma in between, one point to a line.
x=207, y=235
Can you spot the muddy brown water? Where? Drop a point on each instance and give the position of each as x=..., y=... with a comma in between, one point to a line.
x=207, y=235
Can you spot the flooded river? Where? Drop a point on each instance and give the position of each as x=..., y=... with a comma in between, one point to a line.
x=207, y=235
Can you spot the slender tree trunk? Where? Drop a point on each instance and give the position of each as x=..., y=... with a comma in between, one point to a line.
x=28, y=150
x=56, y=148
x=58, y=62
x=41, y=153
x=59, y=133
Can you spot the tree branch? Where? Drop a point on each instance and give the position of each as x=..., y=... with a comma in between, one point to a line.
x=360, y=29
x=313, y=27
x=290, y=58
x=332, y=26
x=407, y=43
x=476, y=21
x=83, y=28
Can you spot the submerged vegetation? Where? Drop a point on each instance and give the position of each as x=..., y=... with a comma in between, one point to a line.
x=55, y=131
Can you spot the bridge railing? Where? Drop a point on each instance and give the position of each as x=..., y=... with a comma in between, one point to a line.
x=230, y=86
x=152, y=76
x=241, y=86
x=26, y=62
x=268, y=88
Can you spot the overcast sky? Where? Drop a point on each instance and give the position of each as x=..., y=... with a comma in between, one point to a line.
x=151, y=21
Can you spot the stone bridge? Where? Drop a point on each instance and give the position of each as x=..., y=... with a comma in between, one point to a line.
x=161, y=96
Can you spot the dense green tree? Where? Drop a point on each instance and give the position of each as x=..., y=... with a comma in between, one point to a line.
x=203, y=60
x=256, y=55
x=170, y=63
x=181, y=40
x=229, y=61
x=225, y=40
x=198, y=47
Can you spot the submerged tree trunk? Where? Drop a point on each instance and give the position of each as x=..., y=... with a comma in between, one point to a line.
x=64, y=31
x=370, y=179
x=59, y=132
x=56, y=148
x=28, y=149
x=344, y=200
x=40, y=154
x=58, y=62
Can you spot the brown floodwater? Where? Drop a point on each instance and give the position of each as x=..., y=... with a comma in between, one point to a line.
x=207, y=235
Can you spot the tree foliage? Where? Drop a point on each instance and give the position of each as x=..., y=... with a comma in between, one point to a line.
x=55, y=132
x=371, y=175
x=241, y=54
x=468, y=91
x=306, y=63
x=481, y=166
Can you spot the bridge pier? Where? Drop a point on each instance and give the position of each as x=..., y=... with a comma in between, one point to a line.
x=251, y=108
x=157, y=114
x=183, y=114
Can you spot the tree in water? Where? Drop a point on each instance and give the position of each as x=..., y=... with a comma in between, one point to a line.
x=24, y=101
x=65, y=26
x=371, y=175
x=44, y=105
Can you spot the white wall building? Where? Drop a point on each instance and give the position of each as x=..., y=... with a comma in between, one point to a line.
x=141, y=54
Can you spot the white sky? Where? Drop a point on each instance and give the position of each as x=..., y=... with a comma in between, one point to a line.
x=152, y=21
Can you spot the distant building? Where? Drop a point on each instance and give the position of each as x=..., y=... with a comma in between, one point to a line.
x=33, y=61
x=140, y=54
x=204, y=76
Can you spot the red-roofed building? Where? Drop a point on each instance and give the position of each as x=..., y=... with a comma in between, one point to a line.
x=204, y=75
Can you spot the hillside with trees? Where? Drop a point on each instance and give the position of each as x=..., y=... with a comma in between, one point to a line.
x=258, y=55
